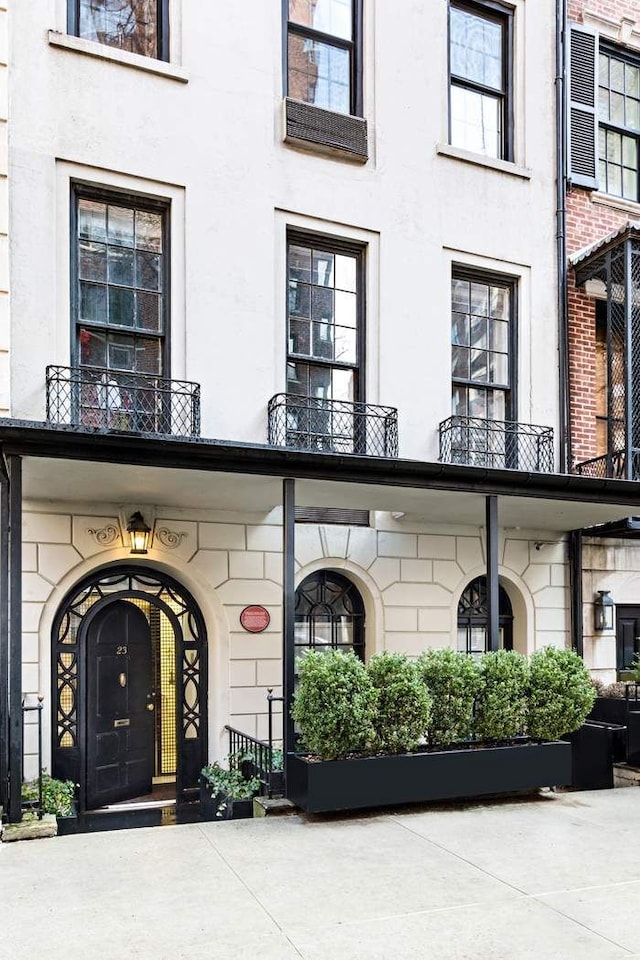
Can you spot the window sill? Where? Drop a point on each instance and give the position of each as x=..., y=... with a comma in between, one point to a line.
x=102, y=52
x=478, y=160
x=618, y=203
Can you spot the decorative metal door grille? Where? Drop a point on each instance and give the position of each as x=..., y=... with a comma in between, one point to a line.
x=178, y=615
x=473, y=618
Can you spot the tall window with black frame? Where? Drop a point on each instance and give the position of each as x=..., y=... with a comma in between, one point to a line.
x=119, y=302
x=480, y=77
x=323, y=345
x=481, y=349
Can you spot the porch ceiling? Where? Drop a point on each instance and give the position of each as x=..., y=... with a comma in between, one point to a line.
x=97, y=483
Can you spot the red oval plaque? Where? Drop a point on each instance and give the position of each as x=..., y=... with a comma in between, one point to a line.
x=255, y=619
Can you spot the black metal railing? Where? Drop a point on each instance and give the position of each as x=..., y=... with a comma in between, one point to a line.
x=33, y=800
x=256, y=759
x=117, y=400
x=496, y=443
x=333, y=426
x=611, y=466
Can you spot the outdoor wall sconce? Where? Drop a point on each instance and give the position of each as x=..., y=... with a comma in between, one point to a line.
x=139, y=533
x=603, y=611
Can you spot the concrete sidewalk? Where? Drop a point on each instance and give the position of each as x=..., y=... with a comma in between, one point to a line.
x=548, y=878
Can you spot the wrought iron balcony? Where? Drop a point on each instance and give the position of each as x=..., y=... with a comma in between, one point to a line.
x=117, y=400
x=611, y=466
x=496, y=443
x=333, y=426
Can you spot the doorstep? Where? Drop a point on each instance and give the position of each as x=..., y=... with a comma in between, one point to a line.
x=626, y=776
x=30, y=828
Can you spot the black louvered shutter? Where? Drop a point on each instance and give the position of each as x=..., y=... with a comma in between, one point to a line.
x=583, y=108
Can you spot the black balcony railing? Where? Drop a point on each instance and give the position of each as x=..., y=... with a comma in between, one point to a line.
x=117, y=400
x=611, y=466
x=496, y=443
x=333, y=426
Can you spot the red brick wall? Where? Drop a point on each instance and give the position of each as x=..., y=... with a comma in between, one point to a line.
x=587, y=223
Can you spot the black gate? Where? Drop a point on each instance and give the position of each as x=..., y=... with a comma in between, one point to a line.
x=158, y=596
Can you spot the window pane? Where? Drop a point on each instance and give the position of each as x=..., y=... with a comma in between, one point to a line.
x=499, y=336
x=499, y=368
x=460, y=329
x=630, y=184
x=127, y=24
x=459, y=401
x=479, y=365
x=460, y=295
x=319, y=74
x=320, y=382
x=149, y=311
x=93, y=302
x=460, y=365
x=120, y=226
x=322, y=267
x=321, y=303
x=92, y=220
x=479, y=333
x=299, y=337
x=616, y=75
x=345, y=345
x=148, y=271
x=298, y=379
x=342, y=383
x=500, y=303
x=496, y=405
x=478, y=403
x=93, y=348
x=328, y=16
x=121, y=265
x=299, y=299
x=121, y=307
x=346, y=273
x=323, y=341
x=475, y=121
x=121, y=353
x=299, y=263
x=476, y=48
x=148, y=359
x=92, y=261
x=148, y=231
x=345, y=309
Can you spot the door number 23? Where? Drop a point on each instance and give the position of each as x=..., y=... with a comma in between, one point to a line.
x=121, y=650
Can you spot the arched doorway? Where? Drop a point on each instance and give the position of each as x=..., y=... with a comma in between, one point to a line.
x=329, y=614
x=473, y=618
x=129, y=686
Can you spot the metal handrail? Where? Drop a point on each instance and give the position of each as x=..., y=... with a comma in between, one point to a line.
x=501, y=444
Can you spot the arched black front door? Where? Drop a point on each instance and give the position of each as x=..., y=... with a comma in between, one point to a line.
x=120, y=704
x=169, y=692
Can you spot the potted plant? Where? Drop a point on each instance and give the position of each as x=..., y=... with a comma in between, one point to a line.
x=226, y=793
x=361, y=728
x=58, y=798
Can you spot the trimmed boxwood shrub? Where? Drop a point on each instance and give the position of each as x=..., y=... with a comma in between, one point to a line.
x=402, y=710
x=560, y=693
x=501, y=705
x=334, y=705
x=452, y=681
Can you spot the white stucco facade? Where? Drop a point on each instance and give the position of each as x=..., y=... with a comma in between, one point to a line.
x=204, y=133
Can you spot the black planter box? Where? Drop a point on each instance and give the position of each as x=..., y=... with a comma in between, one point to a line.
x=594, y=747
x=422, y=777
x=609, y=709
x=67, y=825
x=218, y=806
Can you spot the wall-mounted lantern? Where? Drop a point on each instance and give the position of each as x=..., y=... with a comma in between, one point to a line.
x=603, y=611
x=139, y=533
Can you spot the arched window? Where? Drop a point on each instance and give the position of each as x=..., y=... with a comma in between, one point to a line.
x=329, y=614
x=473, y=617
